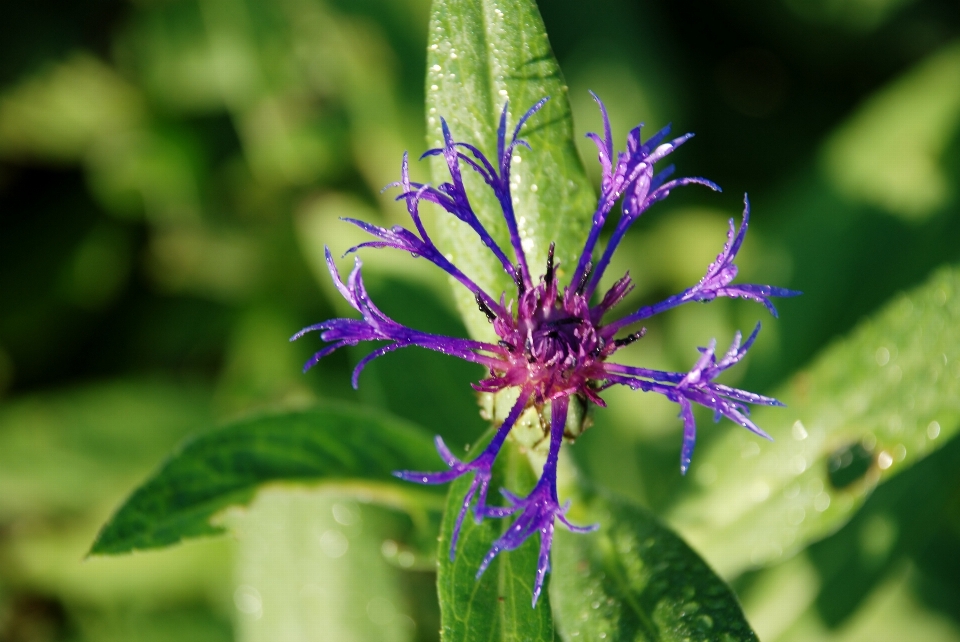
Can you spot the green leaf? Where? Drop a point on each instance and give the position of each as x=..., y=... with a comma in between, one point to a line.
x=496, y=607
x=338, y=445
x=914, y=119
x=310, y=568
x=634, y=579
x=869, y=407
x=835, y=582
x=65, y=451
x=480, y=55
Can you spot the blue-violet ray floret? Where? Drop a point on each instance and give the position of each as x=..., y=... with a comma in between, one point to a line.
x=553, y=342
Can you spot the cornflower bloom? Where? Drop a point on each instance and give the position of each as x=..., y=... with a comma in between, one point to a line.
x=553, y=343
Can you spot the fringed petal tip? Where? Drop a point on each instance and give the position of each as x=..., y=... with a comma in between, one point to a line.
x=538, y=513
x=529, y=114
x=310, y=328
x=707, y=183
x=436, y=151
x=573, y=528
x=419, y=477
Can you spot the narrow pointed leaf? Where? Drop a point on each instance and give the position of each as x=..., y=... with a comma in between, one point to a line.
x=870, y=406
x=481, y=54
x=635, y=580
x=349, y=447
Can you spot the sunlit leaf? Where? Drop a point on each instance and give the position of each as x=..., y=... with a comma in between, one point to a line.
x=835, y=584
x=634, y=579
x=310, y=568
x=496, y=607
x=481, y=55
x=52, y=563
x=893, y=611
x=870, y=406
x=63, y=452
x=58, y=114
x=335, y=445
x=889, y=152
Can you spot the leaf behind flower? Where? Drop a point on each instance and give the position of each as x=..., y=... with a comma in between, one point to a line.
x=870, y=406
x=480, y=55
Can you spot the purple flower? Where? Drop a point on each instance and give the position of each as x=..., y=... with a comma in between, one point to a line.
x=553, y=342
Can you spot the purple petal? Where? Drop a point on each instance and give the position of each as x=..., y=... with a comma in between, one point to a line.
x=689, y=434
x=468, y=498
x=543, y=561
x=605, y=146
x=376, y=354
x=527, y=116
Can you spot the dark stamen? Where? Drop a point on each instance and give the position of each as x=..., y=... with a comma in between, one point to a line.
x=509, y=347
x=630, y=339
x=548, y=278
x=485, y=308
x=585, y=278
x=518, y=277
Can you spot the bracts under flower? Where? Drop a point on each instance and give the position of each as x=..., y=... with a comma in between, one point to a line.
x=553, y=342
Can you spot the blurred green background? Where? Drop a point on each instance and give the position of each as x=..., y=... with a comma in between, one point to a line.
x=170, y=171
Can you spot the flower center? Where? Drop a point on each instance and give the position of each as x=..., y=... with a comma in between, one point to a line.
x=558, y=337
x=552, y=346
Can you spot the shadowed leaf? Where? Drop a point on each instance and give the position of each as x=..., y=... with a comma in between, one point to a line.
x=634, y=579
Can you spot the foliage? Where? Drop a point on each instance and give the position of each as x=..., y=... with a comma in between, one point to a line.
x=169, y=175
